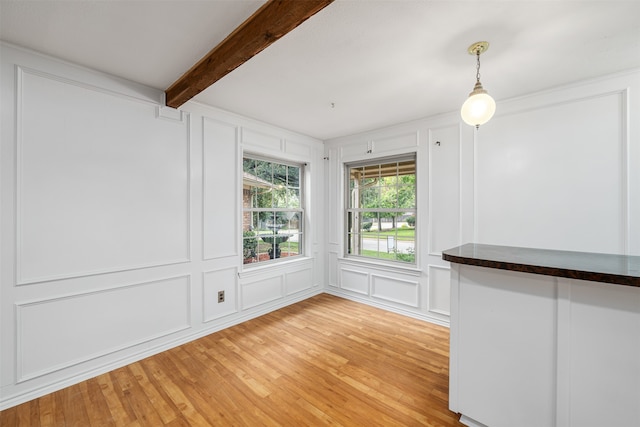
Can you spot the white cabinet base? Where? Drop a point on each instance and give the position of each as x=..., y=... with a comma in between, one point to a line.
x=536, y=350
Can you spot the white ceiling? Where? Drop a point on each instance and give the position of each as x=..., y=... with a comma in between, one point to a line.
x=379, y=62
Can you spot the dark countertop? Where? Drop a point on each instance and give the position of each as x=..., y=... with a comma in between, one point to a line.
x=607, y=268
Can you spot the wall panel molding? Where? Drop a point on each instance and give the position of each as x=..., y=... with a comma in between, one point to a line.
x=439, y=290
x=261, y=140
x=61, y=332
x=298, y=281
x=214, y=281
x=394, y=289
x=444, y=227
x=586, y=209
x=59, y=215
x=219, y=145
x=261, y=291
x=354, y=281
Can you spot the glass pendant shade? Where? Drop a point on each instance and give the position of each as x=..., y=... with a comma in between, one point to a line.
x=478, y=108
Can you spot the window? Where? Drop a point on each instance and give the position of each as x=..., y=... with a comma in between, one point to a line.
x=272, y=220
x=381, y=209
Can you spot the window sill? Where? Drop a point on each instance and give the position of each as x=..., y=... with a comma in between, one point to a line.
x=381, y=265
x=249, y=270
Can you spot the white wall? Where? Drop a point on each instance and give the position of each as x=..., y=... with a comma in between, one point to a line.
x=121, y=221
x=420, y=291
x=561, y=169
x=558, y=170
x=110, y=210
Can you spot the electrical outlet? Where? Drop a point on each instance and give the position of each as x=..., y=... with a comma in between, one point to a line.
x=220, y=296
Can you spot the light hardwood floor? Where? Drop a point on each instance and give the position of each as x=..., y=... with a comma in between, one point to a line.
x=322, y=361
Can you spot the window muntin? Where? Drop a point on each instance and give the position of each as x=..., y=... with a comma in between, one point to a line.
x=381, y=209
x=272, y=220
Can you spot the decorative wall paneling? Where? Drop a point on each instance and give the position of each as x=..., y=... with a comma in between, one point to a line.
x=354, y=281
x=262, y=290
x=439, y=302
x=52, y=333
x=570, y=182
x=593, y=195
x=123, y=219
x=222, y=280
x=393, y=289
x=444, y=189
x=408, y=290
x=221, y=218
x=75, y=215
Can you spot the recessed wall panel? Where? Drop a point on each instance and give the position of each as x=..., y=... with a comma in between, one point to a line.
x=100, y=188
x=297, y=149
x=444, y=189
x=58, y=333
x=558, y=186
x=333, y=269
x=220, y=189
x=355, y=281
x=439, y=290
x=262, y=291
x=224, y=280
x=394, y=143
x=396, y=290
x=298, y=281
x=257, y=139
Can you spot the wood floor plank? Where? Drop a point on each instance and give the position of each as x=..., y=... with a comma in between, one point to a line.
x=322, y=361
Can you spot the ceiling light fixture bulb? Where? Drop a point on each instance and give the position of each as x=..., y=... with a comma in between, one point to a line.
x=479, y=106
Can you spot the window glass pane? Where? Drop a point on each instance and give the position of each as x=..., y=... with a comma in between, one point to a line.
x=279, y=175
x=249, y=247
x=369, y=198
x=406, y=197
x=293, y=177
x=388, y=197
x=293, y=198
x=293, y=222
x=262, y=197
x=248, y=165
x=264, y=171
x=279, y=197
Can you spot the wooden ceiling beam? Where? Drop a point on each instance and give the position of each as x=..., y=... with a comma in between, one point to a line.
x=273, y=20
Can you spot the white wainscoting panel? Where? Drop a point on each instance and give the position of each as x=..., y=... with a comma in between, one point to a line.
x=358, y=149
x=333, y=269
x=213, y=282
x=297, y=281
x=297, y=149
x=439, y=290
x=498, y=329
x=261, y=291
x=333, y=190
x=260, y=140
x=354, y=281
x=220, y=188
x=393, y=289
x=395, y=143
x=557, y=186
x=61, y=332
x=444, y=189
x=100, y=188
x=604, y=349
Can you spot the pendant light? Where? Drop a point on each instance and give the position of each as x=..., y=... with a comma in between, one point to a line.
x=480, y=106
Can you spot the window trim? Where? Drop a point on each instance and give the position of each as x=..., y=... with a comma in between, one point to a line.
x=301, y=211
x=347, y=167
